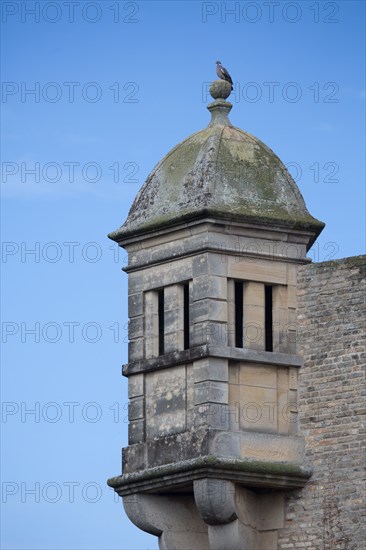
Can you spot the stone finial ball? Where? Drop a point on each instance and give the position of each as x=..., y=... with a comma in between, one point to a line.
x=220, y=89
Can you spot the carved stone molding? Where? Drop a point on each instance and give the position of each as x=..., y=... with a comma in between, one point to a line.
x=221, y=515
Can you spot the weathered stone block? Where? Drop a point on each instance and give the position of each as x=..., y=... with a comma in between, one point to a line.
x=151, y=325
x=174, y=448
x=234, y=370
x=136, y=431
x=209, y=309
x=200, y=265
x=217, y=264
x=134, y=458
x=258, y=409
x=167, y=274
x=225, y=444
x=210, y=392
x=136, y=327
x=209, y=332
x=270, y=447
x=135, y=283
x=209, y=287
x=258, y=375
x=265, y=271
x=293, y=329
x=209, y=263
x=254, y=323
x=212, y=416
x=135, y=304
x=136, y=349
x=279, y=318
x=136, y=408
x=166, y=402
x=270, y=512
x=210, y=368
x=135, y=385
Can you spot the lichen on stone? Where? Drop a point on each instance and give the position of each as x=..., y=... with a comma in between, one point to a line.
x=224, y=171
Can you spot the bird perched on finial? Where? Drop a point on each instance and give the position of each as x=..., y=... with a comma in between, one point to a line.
x=223, y=74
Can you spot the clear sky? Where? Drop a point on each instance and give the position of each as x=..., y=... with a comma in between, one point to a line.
x=93, y=95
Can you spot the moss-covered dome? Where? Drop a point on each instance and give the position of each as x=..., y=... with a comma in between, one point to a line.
x=221, y=172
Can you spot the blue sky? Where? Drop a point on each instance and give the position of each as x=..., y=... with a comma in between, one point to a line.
x=115, y=86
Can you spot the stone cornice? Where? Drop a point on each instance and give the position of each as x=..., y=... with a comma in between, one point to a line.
x=275, y=475
x=210, y=350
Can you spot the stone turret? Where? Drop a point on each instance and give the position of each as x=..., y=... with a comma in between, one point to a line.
x=214, y=239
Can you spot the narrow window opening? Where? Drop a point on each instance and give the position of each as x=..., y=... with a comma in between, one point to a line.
x=161, y=320
x=238, y=314
x=268, y=319
x=186, y=315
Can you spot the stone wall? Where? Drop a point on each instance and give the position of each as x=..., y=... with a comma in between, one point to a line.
x=327, y=514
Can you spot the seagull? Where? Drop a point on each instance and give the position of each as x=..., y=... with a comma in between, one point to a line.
x=223, y=74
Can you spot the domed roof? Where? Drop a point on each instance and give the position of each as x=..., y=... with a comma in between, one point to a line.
x=221, y=172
